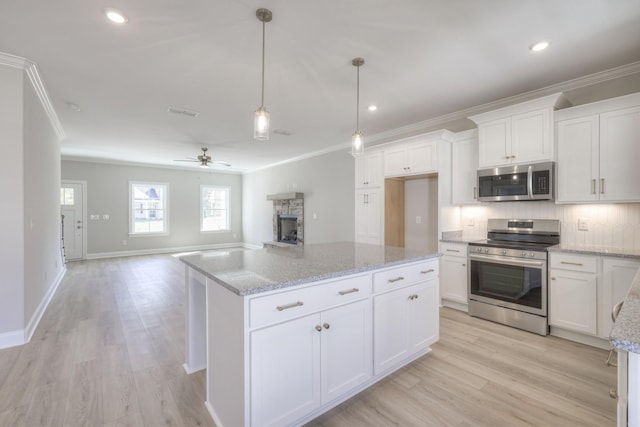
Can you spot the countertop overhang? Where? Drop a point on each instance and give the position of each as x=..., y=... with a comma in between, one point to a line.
x=625, y=334
x=252, y=271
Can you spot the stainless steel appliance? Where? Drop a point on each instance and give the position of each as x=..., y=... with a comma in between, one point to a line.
x=517, y=182
x=507, y=273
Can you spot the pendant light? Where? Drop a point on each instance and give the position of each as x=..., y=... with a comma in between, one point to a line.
x=357, y=139
x=261, y=120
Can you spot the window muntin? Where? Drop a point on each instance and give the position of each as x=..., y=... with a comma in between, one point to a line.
x=214, y=208
x=148, y=208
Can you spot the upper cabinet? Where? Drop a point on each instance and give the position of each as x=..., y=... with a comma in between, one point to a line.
x=464, y=166
x=598, y=148
x=369, y=170
x=410, y=159
x=521, y=133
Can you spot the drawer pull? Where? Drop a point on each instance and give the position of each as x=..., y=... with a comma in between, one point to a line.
x=453, y=250
x=397, y=279
x=350, y=291
x=318, y=328
x=431, y=270
x=579, y=264
x=293, y=305
x=326, y=326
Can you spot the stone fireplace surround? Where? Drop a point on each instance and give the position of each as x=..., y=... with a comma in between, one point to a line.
x=289, y=204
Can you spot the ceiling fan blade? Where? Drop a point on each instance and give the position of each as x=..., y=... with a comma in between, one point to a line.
x=220, y=162
x=186, y=160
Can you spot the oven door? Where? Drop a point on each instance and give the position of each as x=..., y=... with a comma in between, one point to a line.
x=515, y=283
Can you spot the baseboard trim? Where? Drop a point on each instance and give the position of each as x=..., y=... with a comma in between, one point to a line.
x=191, y=369
x=580, y=338
x=23, y=336
x=117, y=254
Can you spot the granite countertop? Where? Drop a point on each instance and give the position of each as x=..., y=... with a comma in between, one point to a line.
x=596, y=250
x=247, y=272
x=625, y=334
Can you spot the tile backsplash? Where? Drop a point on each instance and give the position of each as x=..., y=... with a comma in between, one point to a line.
x=610, y=225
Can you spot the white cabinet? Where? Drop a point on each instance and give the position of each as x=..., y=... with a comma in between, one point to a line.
x=405, y=319
x=453, y=274
x=464, y=175
x=617, y=274
x=573, y=300
x=410, y=159
x=368, y=216
x=522, y=133
x=328, y=354
x=369, y=170
x=598, y=151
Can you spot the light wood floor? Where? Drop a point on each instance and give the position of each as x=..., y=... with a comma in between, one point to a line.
x=109, y=352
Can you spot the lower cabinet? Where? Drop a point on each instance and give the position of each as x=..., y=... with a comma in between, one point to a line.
x=327, y=354
x=573, y=300
x=405, y=322
x=453, y=274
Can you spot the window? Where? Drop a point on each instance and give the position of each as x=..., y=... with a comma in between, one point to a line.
x=214, y=208
x=148, y=202
x=66, y=196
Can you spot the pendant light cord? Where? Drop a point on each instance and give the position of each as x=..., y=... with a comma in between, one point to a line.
x=263, y=44
x=358, y=99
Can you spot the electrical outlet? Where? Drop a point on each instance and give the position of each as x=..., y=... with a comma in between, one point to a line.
x=105, y=216
x=583, y=224
x=472, y=222
x=418, y=220
x=124, y=243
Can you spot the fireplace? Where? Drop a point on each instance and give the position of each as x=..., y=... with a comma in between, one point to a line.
x=288, y=218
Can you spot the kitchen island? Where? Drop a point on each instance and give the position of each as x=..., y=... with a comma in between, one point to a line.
x=288, y=333
x=625, y=336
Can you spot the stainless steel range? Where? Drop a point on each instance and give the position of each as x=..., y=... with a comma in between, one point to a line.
x=507, y=273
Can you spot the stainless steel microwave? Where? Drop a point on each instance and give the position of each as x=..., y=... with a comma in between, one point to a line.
x=517, y=182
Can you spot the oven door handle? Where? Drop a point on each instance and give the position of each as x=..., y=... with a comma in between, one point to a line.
x=508, y=261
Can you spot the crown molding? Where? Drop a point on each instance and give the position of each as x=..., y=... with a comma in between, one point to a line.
x=102, y=161
x=31, y=70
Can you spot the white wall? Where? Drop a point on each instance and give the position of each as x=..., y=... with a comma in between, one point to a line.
x=327, y=182
x=421, y=200
x=12, y=189
x=108, y=193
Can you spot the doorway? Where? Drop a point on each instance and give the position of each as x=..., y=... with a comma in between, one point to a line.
x=72, y=208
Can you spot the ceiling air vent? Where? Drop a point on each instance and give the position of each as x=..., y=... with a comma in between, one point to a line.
x=183, y=111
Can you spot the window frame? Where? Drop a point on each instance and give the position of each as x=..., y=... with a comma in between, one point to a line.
x=227, y=210
x=165, y=209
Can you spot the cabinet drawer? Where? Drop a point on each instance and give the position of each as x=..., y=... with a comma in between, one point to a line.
x=404, y=275
x=584, y=263
x=454, y=249
x=289, y=304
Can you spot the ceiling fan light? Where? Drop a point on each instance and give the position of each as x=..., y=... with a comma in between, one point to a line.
x=115, y=16
x=357, y=144
x=261, y=125
x=204, y=164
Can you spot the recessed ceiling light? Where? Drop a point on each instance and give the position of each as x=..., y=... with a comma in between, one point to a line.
x=115, y=16
x=372, y=108
x=537, y=47
x=73, y=106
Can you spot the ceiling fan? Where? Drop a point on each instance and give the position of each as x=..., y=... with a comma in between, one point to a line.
x=204, y=160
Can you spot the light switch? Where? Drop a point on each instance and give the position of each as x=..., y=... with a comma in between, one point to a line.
x=105, y=216
x=418, y=220
x=94, y=216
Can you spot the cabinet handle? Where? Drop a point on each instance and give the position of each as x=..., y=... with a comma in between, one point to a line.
x=350, y=291
x=288, y=306
x=396, y=279
x=553, y=278
x=318, y=328
x=475, y=193
x=593, y=186
x=412, y=297
x=431, y=270
x=453, y=250
x=326, y=326
x=579, y=264
x=601, y=185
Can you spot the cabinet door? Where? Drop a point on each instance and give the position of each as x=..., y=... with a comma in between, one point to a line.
x=368, y=226
x=361, y=172
x=395, y=162
x=531, y=136
x=285, y=371
x=494, y=143
x=573, y=301
x=421, y=158
x=464, y=173
x=619, y=155
x=453, y=278
x=423, y=315
x=345, y=348
x=391, y=329
x=578, y=159
x=368, y=170
x=618, y=275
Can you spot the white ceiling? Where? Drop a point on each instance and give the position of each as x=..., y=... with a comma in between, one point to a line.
x=423, y=59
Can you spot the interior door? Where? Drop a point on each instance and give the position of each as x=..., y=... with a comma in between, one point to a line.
x=72, y=209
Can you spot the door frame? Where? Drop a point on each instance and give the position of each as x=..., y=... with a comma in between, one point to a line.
x=82, y=183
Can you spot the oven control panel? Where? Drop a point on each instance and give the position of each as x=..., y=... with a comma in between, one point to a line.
x=510, y=253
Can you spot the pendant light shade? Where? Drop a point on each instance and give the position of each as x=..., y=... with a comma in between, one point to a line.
x=261, y=119
x=357, y=139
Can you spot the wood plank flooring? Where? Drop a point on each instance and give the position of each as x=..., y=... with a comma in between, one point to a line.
x=109, y=352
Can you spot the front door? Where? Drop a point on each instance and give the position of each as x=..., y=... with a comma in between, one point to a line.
x=72, y=209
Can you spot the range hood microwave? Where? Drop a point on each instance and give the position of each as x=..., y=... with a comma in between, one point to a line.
x=517, y=182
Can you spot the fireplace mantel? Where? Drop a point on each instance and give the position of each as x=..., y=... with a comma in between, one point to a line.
x=285, y=196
